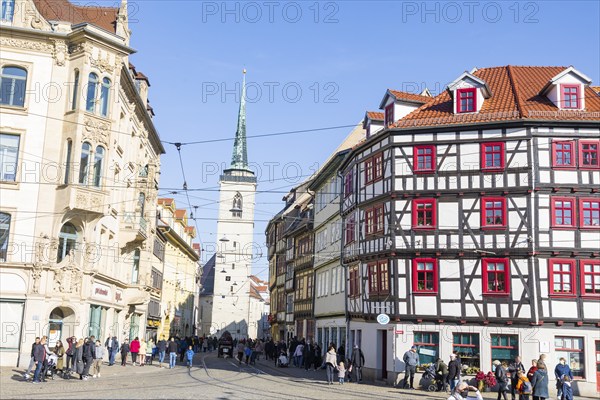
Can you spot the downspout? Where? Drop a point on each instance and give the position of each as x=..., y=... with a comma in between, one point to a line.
x=346, y=277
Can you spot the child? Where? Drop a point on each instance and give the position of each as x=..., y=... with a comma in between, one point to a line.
x=523, y=386
x=341, y=372
x=567, y=390
x=190, y=356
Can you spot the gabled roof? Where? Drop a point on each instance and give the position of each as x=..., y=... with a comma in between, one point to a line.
x=165, y=201
x=404, y=97
x=375, y=115
x=63, y=10
x=469, y=75
x=516, y=96
x=569, y=70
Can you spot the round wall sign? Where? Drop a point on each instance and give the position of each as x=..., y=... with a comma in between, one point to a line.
x=383, y=319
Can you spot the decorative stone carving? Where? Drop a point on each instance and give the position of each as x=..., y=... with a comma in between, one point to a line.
x=68, y=278
x=96, y=130
x=36, y=276
x=60, y=52
x=79, y=48
x=103, y=64
x=27, y=44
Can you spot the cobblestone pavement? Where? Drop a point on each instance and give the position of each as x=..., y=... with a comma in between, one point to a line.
x=209, y=378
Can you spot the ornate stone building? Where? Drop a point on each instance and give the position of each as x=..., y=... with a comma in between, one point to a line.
x=79, y=163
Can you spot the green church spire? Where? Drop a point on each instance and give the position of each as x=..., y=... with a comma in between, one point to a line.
x=239, y=159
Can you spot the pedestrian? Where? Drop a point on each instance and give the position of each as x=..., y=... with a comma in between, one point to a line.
x=113, y=349
x=358, y=361
x=561, y=370
x=248, y=351
x=205, y=344
x=172, y=353
x=162, y=350
x=39, y=358
x=98, y=356
x=78, y=360
x=70, y=352
x=501, y=378
x=309, y=355
x=532, y=369
x=134, y=348
x=240, y=351
x=59, y=350
x=32, y=359
x=542, y=359
x=540, y=382
x=142, y=351
x=441, y=372
x=182, y=349
x=318, y=357
x=150, y=346
x=341, y=372
x=88, y=355
x=514, y=368
x=566, y=389
x=461, y=392
x=411, y=360
x=330, y=363
x=124, y=352
x=523, y=386
x=189, y=354
x=453, y=372
x=299, y=355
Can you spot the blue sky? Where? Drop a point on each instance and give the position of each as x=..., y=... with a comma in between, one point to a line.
x=322, y=64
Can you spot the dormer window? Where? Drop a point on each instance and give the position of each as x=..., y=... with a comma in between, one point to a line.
x=466, y=100
x=389, y=114
x=570, y=97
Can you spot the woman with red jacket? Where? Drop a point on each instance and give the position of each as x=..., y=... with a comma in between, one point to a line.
x=532, y=369
x=134, y=347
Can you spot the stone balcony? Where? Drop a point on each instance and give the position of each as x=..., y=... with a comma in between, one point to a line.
x=134, y=228
x=90, y=200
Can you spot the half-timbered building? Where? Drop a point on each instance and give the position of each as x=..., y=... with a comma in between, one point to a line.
x=472, y=220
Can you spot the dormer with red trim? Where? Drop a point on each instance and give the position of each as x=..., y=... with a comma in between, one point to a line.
x=373, y=122
x=468, y=93
x=396, y=104
x=566, y=90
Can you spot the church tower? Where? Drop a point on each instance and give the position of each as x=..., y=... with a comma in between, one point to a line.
x=235, y=229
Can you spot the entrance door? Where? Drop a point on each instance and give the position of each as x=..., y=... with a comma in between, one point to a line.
x=383, y=351
x=56, y=324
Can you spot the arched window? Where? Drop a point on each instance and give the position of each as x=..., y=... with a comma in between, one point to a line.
x=8, y=10
x=68, y=161
x=142, y=203
x=98, y=163
x=104, y=96
x=90, y=104
x=12, y=86
x=75, y=90
x=4, y=233
x=236, y=210
x=84, y=166
x=67, y=241
x=135, y=273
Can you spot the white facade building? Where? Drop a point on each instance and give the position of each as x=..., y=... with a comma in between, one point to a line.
x=79, y=175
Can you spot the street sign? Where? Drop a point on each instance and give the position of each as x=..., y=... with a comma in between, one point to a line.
x=399, y=332
x=383, y=319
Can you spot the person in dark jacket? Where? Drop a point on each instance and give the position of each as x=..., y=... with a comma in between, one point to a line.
x=501, y=377
x=124, y=352
x=441, y=372
x=88, y=355
x=561, y=370
x=308, y=355
x=172, y=348
x=161, y=347
x=358, y=361
x=453, y=371
x=514, y=368
x=70, y=352
x=32, y=359
x=39, y=358
x=78, y=360
x=112, y=345
x=540, y=382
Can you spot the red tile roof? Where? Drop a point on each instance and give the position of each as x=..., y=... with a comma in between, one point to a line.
x=411, y=97
x=179, y=214
x=165, y=201
x=596, y=89
x=63, y=10
x=515, y=96
x=375, y=115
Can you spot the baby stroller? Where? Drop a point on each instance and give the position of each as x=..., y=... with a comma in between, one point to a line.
x=283, y=361
x=50, y=366
x=428, y=380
